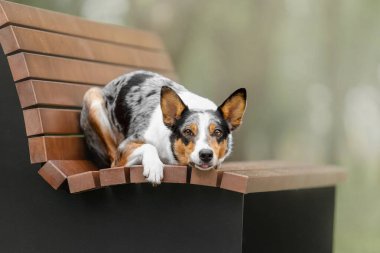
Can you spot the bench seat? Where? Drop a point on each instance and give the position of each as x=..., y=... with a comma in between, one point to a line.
x=243, y=177
x=55, y=58
x=48, y=61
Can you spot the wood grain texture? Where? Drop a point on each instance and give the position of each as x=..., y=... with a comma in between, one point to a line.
x=55, y=172
x=252, y=178
x=248, y=180
x=22, y=15
x=85, y=181
x=35, y=92
x=45, y=148
x=34, y=66
x=114, y=176
x=26, y=65
x=172, y=174
x=263, y=164
x=175, y=174
x=234, y=182
x=207, y=178
x=51, y=121
x=15, y=38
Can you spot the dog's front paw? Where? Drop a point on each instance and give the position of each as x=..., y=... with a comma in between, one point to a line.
x=153, y=170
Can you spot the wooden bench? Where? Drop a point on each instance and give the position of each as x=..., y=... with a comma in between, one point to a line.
x=53, y=59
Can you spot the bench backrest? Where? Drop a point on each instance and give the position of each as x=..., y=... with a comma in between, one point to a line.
x=55, y=58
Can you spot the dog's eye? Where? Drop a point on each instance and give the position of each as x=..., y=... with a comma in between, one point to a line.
x=188, y=132
x=218, y=133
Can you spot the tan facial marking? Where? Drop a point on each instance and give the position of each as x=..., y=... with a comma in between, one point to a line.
x=183, y=151
x=220, y=149
x=194, y=128
x=122, y=155
x=211, y=128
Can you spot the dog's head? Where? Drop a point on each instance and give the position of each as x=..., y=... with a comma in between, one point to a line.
x=202, y=138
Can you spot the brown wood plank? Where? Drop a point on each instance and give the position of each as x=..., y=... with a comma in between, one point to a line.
x=15, y=38
x=27, y=65
x=207, y=178
x=45, y=148
x=234, y=182
x=281, y=178
x=35, y=92
x=56, y=172
x=175, y=174
x=83, y=175
x=85, y=181
x=214, y=177
x=172, y=174
x=114, y=176
x=51, y=121
x=263, y=164
x=13, y=13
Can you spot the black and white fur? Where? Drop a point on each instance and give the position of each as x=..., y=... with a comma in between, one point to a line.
x=127, y=114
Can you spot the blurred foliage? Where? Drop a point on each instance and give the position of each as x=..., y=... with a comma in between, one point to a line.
x=312, y=69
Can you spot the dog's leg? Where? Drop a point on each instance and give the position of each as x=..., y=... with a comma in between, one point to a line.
x=137, y=152
x=97, y=117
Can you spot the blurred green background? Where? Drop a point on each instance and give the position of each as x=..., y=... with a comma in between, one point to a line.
x=312, y=69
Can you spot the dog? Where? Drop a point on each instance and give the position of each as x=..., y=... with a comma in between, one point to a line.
x=145, y=118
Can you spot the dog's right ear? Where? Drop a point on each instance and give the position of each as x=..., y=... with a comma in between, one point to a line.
x=172, y=106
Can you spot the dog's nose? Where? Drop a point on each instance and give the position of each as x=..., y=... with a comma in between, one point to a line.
x=206, y=155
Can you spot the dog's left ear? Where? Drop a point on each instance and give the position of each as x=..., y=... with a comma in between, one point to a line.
x=172, y=106
x=233, y=108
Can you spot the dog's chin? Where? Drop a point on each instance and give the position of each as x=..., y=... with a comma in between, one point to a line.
x=203, y=167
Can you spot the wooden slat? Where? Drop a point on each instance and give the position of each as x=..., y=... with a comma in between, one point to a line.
x=281, y=178
x=85, y=181
x=45, y=148
x=213, y=177
x=114, y=176
x=172, y=174
x=26, y=65
x=15, y=38
x=12, y=13
x=254, y=177
x=51, y=121
x=175, y=174
x=263, y=164
x=234, y=182
x=56, y=172
x=207, y=178
x=35, y=92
